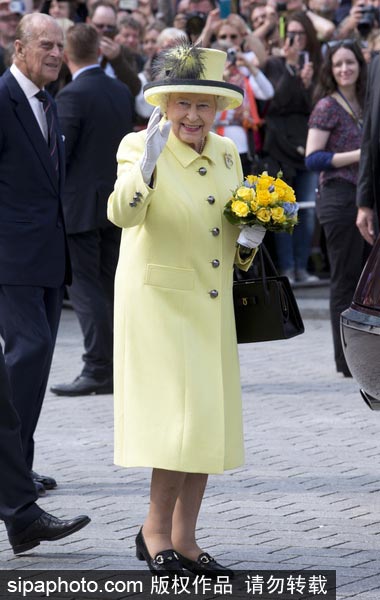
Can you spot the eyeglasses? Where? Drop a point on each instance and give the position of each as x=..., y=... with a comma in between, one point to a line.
x=293, y=34
x=104, y=27
x=225, y=36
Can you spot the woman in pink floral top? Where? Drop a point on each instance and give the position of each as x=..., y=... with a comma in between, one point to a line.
x=333, y=149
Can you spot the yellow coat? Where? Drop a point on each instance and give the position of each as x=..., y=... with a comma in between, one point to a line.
x=177, y=382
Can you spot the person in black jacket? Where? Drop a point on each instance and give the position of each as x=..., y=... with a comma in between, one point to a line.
x=95, y=113
x=368, y=191
x=293, y=77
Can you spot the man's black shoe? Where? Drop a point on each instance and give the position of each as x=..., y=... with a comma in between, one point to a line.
x=47, y=528
x=84, y=386
x=49, y=483
x=40, y=489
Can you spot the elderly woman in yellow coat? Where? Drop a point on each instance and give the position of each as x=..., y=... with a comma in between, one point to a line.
x=177, y=388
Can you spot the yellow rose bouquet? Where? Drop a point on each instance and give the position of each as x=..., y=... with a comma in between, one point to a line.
x=263, y=200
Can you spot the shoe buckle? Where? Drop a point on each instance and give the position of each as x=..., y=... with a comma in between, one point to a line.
x=159, y=559
x=205, y=559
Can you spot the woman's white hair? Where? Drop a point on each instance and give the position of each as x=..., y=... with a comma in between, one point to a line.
x=221, y=102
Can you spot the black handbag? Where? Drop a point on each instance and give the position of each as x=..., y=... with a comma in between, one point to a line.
x=265, y=307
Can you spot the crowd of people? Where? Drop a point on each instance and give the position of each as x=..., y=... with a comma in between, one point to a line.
x=188, y=99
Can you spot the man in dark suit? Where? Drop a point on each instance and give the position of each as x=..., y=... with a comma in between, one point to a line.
x=33, y=252
x=95, y=112
x=27, y=524
x=368, y=191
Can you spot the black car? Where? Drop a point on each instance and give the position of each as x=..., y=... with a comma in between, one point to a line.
x=360, y=330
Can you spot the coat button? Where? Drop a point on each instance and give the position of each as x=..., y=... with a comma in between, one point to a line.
x=137, y=197
x=214, y=293
x=133, y=204
x=210, y=199
x=215, y=231
x=215, y=263
x=202, y=171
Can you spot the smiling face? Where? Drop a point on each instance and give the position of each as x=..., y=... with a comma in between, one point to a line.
x=192, y=116
x=345, y=68
x=39, y=54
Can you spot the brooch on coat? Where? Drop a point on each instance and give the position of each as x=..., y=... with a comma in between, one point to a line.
x=228, y=160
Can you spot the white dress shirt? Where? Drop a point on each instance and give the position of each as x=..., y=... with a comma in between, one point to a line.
x=30, y=90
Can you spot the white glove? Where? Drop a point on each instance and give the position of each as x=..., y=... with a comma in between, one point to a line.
x=251, y=237
x=156, y=139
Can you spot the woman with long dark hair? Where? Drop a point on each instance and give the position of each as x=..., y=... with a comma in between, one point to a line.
x=333, y=149
x=293, y=76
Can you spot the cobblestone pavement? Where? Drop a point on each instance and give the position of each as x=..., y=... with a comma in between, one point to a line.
x=307, y=497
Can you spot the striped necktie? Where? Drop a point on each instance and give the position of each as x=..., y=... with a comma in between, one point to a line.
x=50, y=120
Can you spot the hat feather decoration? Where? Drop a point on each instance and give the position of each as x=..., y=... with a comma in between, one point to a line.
x=182, y=61
x=187, y=69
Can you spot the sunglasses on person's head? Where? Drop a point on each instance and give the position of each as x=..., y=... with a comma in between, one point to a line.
x=347, y=43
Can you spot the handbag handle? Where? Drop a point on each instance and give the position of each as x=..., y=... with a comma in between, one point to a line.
x=264, y=252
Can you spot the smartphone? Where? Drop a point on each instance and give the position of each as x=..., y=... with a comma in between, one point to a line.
x=224, y=8
x=303, y=59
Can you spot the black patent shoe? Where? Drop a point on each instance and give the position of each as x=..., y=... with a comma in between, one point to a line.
x=164, y=563
x=204, y=565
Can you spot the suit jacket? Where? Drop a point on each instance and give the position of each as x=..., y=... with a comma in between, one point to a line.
x=95, y=112
x=368, y=191
x=32, y=237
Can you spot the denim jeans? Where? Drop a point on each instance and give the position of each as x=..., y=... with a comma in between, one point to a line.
x=293, y=250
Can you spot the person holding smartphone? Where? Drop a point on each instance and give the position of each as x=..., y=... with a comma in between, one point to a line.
x=293, y=76
x=242, y=124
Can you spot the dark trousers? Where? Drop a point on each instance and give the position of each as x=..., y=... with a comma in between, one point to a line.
x=29, y=318
x=94, y=255
x=336, y=209
x=17, y=491
x=345, y=248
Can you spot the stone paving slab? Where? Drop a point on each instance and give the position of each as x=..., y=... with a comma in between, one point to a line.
x=308, y=495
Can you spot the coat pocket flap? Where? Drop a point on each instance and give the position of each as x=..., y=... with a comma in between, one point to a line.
x=169, y=277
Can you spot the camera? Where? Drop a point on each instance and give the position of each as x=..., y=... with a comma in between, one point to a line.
x=195, y=22
x=369, y=14
x=281, y=6
x=231, y=56
x=110, y=32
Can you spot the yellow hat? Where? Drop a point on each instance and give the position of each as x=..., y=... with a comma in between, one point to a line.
x=190, y=69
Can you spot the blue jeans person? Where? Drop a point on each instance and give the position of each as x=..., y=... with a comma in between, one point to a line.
x=293, y=250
